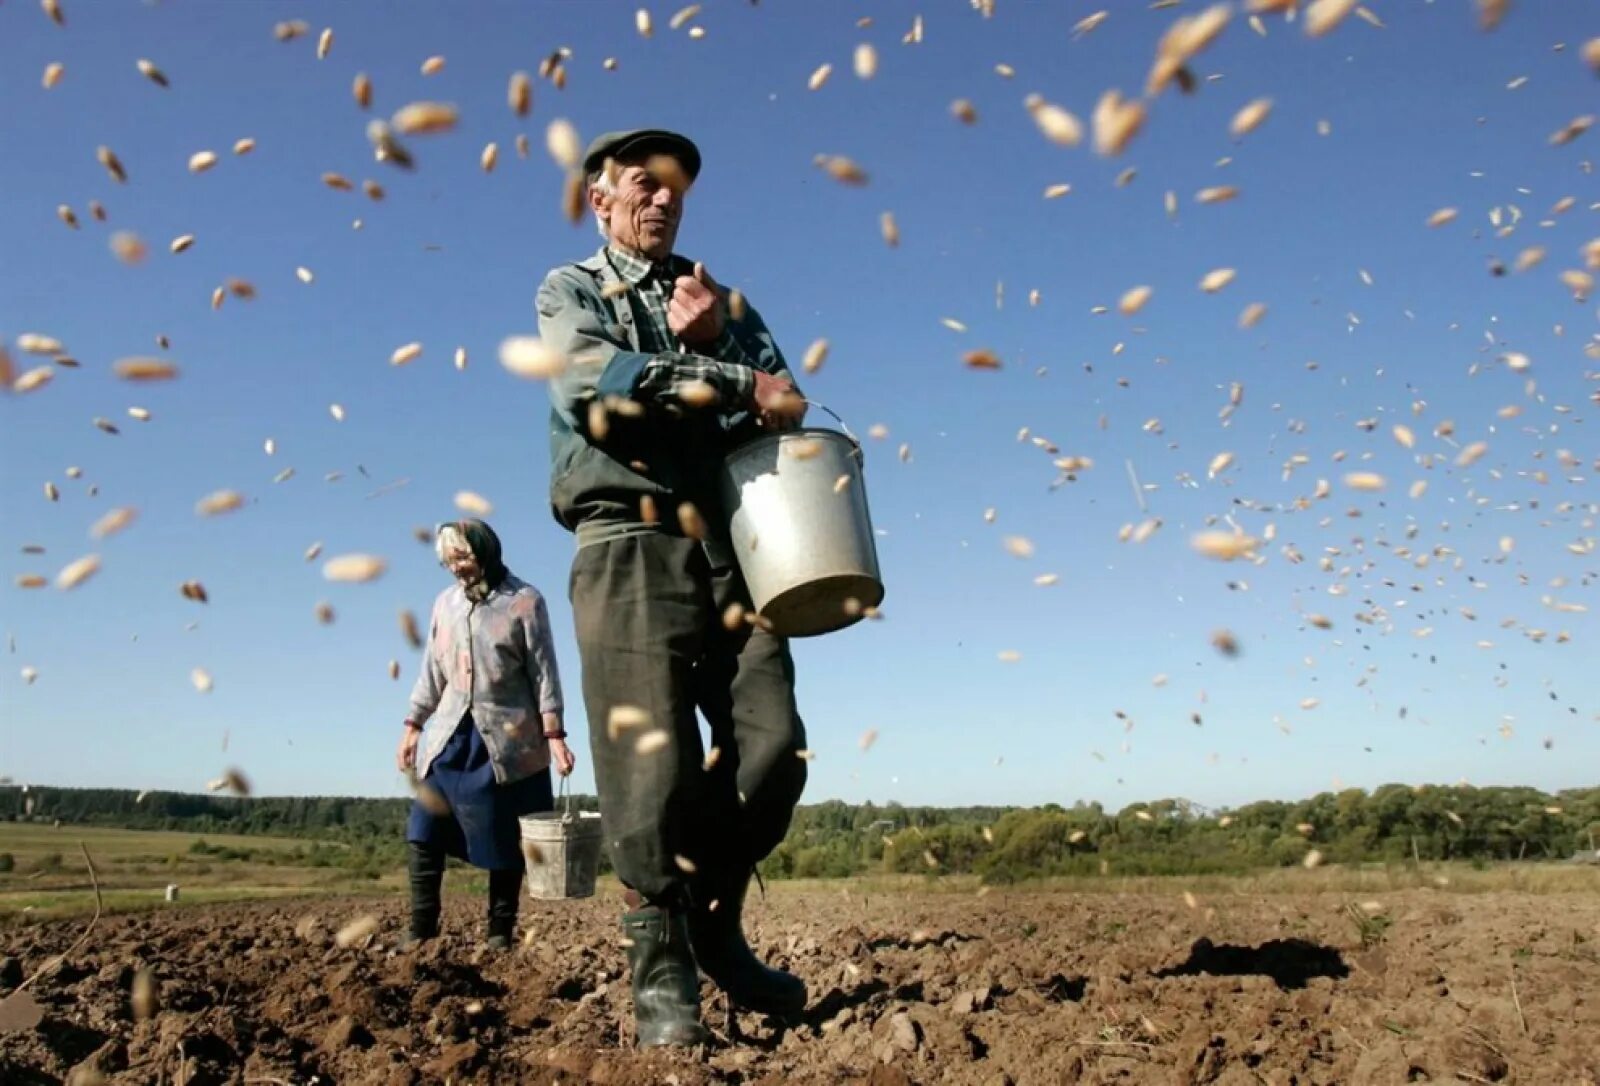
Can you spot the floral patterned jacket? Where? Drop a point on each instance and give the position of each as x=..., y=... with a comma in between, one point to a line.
x=496, y=660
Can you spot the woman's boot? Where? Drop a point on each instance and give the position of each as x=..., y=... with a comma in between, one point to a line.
x=505, y=887
x=426, y=867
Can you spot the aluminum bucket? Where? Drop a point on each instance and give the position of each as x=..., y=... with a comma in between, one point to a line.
x=561, y=850
x=801, y=530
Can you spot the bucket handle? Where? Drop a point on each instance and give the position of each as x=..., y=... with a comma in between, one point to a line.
x=842, y=424
x=564, y=796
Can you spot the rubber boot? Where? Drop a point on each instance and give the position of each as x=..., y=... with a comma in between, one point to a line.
x=666, y=989
x=717, y=936
x=504, y=890
x=426, y=866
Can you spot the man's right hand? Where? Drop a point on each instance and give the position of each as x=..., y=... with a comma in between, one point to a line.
x=778, y=406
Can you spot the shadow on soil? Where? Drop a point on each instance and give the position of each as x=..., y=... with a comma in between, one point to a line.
x=1289, y=962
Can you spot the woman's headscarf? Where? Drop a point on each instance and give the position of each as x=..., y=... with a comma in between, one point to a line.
x=480, y=539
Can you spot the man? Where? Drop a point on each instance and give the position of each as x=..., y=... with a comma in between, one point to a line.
x=663, y=381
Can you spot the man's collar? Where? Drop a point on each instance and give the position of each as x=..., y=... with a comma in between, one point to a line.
x=635, y=269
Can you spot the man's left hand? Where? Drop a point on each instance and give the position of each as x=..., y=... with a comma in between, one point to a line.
x=695, y=312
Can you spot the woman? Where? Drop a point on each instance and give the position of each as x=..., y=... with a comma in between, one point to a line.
x=489, y=682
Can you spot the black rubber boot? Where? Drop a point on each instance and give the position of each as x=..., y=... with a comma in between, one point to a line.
x=666, y=989
x=717, y=936
x=427, y=878
x=504, y=890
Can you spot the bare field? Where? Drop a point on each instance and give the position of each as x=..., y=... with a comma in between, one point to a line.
x=1297, y=980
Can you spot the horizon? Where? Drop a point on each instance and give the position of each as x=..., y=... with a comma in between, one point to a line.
x=1379, y=635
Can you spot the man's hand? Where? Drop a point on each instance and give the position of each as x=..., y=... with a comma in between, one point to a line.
x=405, y=759
x=561, y=756
x=778, y=405
x=695, y=312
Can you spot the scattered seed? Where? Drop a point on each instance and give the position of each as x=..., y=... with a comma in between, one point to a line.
x=474, y=505
x=1323, y=16
x=531, y=358
x=113, y=522
x=1224, y=546
x=1250, y=118
x=1217, y=194
x=1058, y=125
x=361, y=89
x=52, y=74
x=1018, y=546
x=841, y=169
x=201, y=678
x=561, y=139
x=410, y=352
x=1442, y=216
x=889, y=229
x=433, y=66
x=815, y=356
x=424, y=118
x=355, y=931
x=819, y=77
x=1216, y=279
x=351, y=568
x=75, y=573
x=108, y=158
x=1134, y=300
x=866, y=61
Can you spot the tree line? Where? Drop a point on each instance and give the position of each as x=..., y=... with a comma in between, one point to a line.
x=1395, y=822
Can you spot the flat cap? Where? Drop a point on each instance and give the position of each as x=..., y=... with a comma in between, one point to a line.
x=618, y=144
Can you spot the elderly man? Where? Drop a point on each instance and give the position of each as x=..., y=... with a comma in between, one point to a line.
x=665, y=378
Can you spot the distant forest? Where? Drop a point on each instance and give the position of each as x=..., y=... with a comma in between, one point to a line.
x=1001, y=844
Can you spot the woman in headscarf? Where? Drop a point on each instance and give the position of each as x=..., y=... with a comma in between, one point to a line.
x=490, y=686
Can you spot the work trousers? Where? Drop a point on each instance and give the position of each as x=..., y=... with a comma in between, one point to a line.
x=649, y=611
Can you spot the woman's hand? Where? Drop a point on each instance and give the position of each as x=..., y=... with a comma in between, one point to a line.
x=561, y=756
x=405, y=759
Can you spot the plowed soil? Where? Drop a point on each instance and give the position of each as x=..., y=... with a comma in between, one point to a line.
x=906, y=987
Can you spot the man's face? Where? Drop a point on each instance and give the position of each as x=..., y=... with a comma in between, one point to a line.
x=461, y=564
x=645, y=208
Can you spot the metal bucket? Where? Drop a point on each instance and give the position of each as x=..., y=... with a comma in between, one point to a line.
x=801, y=530
x=561, y=850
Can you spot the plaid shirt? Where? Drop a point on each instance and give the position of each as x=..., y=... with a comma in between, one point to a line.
x=724, y=365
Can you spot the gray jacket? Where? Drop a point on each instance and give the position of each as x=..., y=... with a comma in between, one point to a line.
x=665, y=451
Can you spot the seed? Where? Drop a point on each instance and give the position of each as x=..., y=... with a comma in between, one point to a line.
x=128, y=247
x=866, y=61
x=683, y=15
x=181, y=243
x=964, y=111
x=1252, y=314
x=33, y=379
x=336, y=411
x=841, y=169
x=96, y=211
x=201, y=161
x=1314, y=857
x=1365, y=480
x=1472, y=454
x=1134, y=300
x=531, y=358
x=52, y=74
x=651, y=741
x=1057, y=191
x=1058, y=125
x=889, y=229
x=244, y=146
x=1581, y=283
x=113, y=522
x=288, y=31
x=1116, y=122
x=152, y=73
x=819, y=77
x=433, y=66
x=1219, y=463
x=561, y=139
x=1224, y=546
x=373, y=190
x=304, y=275
x=1323, y=15
x=424, y=118
x=193, y=590
x=362, y=89
x=350, y=568
x=641, y=21
x=408, y=353
x=1217, y=194
x=1018, y=546
x=519, y=93
x=355, y=931
x=108, y=158
x=816, y=355
x=690, y=521
x=1442, y=216
x=338, y=182
x=981, y=359
x=1088, y=22
x=75, y=573
x=1591, y=54
x=473, y=504
x=1216, y=279
x=1249, y=118
x=201, y=679
x=66, y=215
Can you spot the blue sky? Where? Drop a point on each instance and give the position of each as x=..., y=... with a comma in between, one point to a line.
x=1419, y=117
